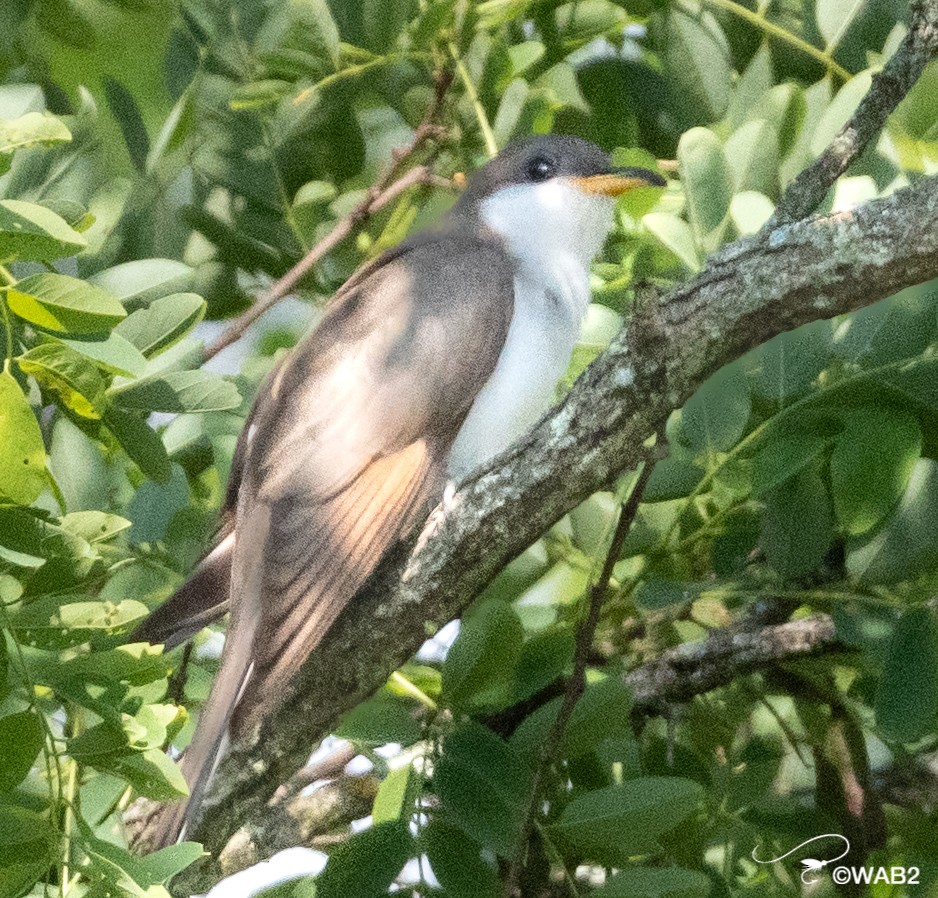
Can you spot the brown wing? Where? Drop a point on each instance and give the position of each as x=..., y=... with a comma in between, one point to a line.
x=351, y=439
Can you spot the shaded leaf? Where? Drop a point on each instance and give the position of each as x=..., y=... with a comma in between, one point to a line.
x=367, y=863
x=797, y=525
x=163, y=323
x=179, y=391
x=140, y=442
x=907, y=697
x=22, y=453
x=22, y=737
x=610, y=825
x=64, y=305
x=32, y=233
x=483, y=786
x=871, y=465
x=903, y=547
x=71, y=379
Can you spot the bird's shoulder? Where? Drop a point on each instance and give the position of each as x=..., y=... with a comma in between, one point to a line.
x=399, y=356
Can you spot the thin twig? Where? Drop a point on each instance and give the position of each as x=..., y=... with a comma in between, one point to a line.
x=889, y=87
x=384, y=191
x=577, y=682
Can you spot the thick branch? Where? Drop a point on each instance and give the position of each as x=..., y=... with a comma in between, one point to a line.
x=757, y=289
x=676, y=676
x=890, y=85
x=694, y=668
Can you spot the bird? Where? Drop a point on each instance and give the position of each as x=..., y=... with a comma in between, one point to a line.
x=426, y=364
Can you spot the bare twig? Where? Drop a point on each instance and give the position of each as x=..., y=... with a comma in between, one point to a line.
x=577, y=682
x=376, y=199
x=890, y=85
x=384, y=191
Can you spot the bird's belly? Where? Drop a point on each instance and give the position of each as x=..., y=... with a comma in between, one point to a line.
x=537, y=351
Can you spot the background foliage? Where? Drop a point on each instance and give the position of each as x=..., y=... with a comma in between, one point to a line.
x=161, y=163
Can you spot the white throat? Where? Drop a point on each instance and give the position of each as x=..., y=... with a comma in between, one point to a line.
x=553, y=230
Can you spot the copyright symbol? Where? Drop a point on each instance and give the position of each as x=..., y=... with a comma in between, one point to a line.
x=841, y=875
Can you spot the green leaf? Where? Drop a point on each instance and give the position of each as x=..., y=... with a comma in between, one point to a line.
x=163, y=323
x=32, y=129
x=871, y=465
x=796, y=525
x=479, y=668
x=163, y=865
x=834, y=18
x=64, y=305
x=698, y=59
x=675, y=235
x=99, y=742
x=904, y=547
x=397, y=795
x=483, y=786
x=94, y=526
x=75, y=382
x=22, y=453
x=907, y=697
x=457, y=863
x=788, y=364
x=754, y=151
x=140, y=442
x=137, y=284
x=75, y=617
x=895, y=328
x=610, y=825
x=715, y=417
x=128, y=116
x=22, y=737
x=179, y=391
x=367, y=863
x=708, y=185
x=839, y=110
x=749, y=211
x=783, y=456
x=152, y=774
x=655, y=882
x=28, y=846
x=154, y=504
x=601, y=713
x=381, y=719
x=31, y=233
x=112, y=353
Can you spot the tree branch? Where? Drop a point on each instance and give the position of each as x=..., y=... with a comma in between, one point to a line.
x=813, y=269
x=757, y=288
x=675, y=677
x=692, y=669
x=889, y=86
x=384, y=191
x=585, y=633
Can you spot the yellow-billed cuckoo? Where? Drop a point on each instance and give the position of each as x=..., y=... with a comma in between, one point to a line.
x=428, y=363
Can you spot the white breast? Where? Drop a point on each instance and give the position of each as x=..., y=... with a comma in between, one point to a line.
x=537, y=351
x=553, y=230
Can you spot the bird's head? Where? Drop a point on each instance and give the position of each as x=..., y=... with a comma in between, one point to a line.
x=551, y=194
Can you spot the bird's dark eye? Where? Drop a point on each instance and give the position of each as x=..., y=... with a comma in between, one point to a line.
x=540, y=168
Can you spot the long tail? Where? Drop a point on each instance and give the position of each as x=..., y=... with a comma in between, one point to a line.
x=199, y=759
x=202, y=599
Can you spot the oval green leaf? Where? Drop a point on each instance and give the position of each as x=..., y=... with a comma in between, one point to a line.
x=64, y=305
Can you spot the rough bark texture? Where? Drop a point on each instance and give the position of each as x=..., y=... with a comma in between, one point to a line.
x=676, y=676
x=752, y=291
x=890, y=85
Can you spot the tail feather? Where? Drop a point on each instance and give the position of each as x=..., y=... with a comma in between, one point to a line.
x=200, y=757
x=200, y=601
